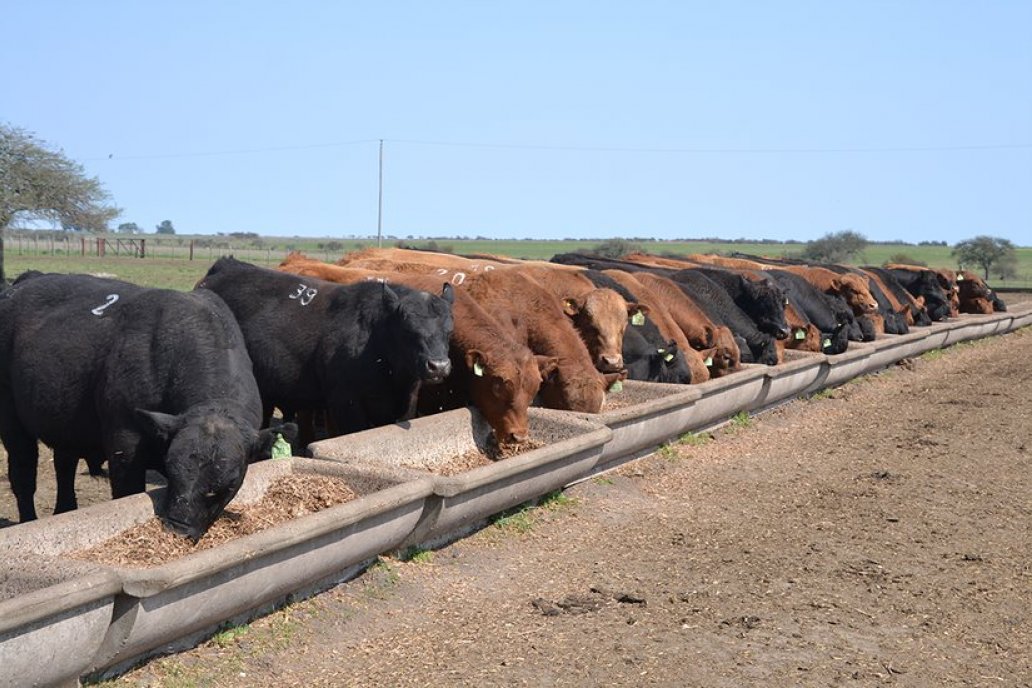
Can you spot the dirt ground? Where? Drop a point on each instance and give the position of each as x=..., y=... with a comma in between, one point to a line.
x=880, y=533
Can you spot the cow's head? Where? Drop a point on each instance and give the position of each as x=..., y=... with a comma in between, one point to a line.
x=503, y=384
x=600, y=317
x=206, y=451
x=572, y=390
x=766, y=306
x=421, y=327
x=855, y=290
x=727, y=357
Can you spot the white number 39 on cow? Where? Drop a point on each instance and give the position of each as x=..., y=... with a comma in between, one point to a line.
x=304, y=294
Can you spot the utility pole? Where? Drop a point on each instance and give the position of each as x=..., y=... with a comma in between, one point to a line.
x=379, y=204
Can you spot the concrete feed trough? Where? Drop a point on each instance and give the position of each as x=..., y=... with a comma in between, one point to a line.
x=725, y=396
x=801, y=372
x=53, y=618
x=643, y=415
x=193, y=594
x=852, y=362
x=420, y=447
x=889, y=348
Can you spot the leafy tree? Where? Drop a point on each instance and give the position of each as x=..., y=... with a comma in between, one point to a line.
x=38, y=182
x=165, y=227
x=904, y=259
x=129, y=228
x=985, y=252
x=837, y=247
x=615, y=248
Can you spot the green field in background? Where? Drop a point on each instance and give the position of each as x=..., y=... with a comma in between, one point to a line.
x=159, y=270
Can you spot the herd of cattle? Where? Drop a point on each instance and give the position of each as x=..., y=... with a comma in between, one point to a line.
x=187, y=383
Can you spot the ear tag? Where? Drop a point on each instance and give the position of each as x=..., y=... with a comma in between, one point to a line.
x=281, y=448
x=786, y=300
x=826, y=343
x=670, y=357
x=800, y=334
x=638, y=319
x=616, y=387
x=960, y=278
x=660, y=351
x=478, y=369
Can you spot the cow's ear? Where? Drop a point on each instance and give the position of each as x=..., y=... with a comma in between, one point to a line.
x=572, y=306
x=448, y=294
x=547, y=366
x=633, y=308
x=158, y=426
x=391, y=300
x=836, y=283
x=476, y=362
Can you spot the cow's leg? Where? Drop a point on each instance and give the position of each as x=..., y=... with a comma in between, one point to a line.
x=127, y=464
x=64, y=467
x=22, y=459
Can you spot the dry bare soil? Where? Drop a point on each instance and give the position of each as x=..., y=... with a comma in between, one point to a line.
x=879, y=534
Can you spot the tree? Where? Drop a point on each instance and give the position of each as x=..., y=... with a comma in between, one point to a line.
x=165, y=227
x=38, y=182
x=614, y=248
x=986, y=251
x=837, y=247
x=129, y=228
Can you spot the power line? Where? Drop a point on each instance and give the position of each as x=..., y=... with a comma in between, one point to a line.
x=617, y=149
x=239, y=151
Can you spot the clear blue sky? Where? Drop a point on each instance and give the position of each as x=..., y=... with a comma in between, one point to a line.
x=588, y=119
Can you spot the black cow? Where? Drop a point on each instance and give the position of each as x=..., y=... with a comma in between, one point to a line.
x=762, y=300
x=646, y=354
x=360, y=351
x=923, y=283
x=146, y=378
x=833, y=318
x=755, y=346
x=894, y=322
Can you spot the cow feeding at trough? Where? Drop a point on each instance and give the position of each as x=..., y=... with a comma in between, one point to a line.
x=144, y=378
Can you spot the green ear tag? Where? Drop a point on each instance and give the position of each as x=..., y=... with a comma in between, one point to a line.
x=800, y=334
x=478, y=369
x=708, y=362
x=616, y=386
x=668, y=358
x=960, y=278
x=826, y=343
x=281, y=448
x=638, y=319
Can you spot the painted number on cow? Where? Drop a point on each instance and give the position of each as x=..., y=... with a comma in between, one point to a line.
x=99, y=310
x=304, y=294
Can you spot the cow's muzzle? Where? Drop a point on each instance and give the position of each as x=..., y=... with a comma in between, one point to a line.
x=437, y=370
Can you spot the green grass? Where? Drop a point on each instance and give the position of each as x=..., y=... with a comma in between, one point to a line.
x=694, y=439
x=167, y=265
x=825, y=393
x=229, y=636
x=741, y=420
x=933, y=354
x=418, y=555
x=521, y=519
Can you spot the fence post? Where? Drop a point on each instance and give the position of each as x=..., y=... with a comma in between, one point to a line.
x=143, y=248
x=83, y=241
x=191, y=249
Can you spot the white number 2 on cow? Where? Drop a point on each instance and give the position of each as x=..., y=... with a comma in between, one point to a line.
x=99, y=310
x=304, y=294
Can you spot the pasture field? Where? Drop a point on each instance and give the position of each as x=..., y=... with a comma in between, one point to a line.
x=168, y=266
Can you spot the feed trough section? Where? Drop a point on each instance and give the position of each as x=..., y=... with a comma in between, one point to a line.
x=427, y=447
x=53, y=617
x=180, y=600
x=969, y=327
x=801, y=372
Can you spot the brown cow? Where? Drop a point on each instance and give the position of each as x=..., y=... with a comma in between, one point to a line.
x=667, y=326
x=496, y=370
x=600, y=315
x=702, y=333
x=946, y=278
x=974, y=294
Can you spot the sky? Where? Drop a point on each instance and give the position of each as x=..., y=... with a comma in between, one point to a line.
x=761, y=120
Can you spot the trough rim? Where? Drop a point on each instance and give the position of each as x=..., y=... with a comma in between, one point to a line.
x=21, y=611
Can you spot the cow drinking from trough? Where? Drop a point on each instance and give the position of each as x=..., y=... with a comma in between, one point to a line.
x=360, y=351
x=146, y=378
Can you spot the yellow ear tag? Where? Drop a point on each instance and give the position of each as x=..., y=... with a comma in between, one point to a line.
x=478, y=369
x=708, y=362
x=826, y=343
x=960, y=278
x=800, y=334
x=281, y=448
x=616, y=387
x=638, y=319
x=669, y=357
